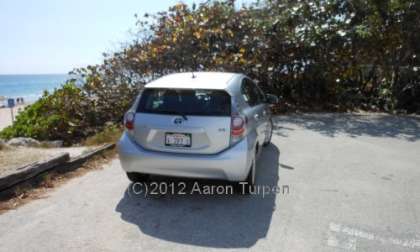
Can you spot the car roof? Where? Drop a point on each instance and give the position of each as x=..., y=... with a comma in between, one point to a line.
x=195, y=80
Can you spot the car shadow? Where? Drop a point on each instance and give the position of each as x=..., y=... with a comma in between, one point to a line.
x=353, y=125
x=216, y=221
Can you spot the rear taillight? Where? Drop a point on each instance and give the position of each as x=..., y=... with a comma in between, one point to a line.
x=237, y=128
x=129, y=120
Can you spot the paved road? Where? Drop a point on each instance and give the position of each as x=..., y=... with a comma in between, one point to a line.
x=354, y=185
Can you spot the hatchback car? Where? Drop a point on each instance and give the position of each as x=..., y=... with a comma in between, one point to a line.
x=198, y=125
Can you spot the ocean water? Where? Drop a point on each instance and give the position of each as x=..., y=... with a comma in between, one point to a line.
x=29, y=87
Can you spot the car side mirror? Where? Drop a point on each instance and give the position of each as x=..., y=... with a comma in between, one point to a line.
x=272, y=99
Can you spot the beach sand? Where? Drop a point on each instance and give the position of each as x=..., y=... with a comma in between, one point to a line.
x=6, y=117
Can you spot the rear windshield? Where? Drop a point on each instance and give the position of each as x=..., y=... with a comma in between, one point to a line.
x=185, y=102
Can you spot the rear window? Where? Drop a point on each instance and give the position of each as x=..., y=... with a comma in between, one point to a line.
x=185, y=102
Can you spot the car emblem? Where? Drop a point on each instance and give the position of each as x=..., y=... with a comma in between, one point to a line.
x=178, y=120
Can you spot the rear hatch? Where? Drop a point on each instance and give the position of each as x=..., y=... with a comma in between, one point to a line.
x=183, y=120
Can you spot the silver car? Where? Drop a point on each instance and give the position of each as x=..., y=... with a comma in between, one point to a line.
x=198, y=125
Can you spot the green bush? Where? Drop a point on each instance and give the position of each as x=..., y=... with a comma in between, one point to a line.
x=66, y=114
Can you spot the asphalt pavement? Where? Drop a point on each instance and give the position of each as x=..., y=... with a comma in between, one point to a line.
x=328, y=182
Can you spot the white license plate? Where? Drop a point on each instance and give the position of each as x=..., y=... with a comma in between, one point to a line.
x=178, y=139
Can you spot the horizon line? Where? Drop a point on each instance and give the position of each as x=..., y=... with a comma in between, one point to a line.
x=34, y=73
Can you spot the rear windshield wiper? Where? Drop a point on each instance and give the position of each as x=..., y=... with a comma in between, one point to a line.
x=183, y=115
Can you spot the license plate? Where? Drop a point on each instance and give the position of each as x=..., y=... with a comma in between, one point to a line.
x=178, y=139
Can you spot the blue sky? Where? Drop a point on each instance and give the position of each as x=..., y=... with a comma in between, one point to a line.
x=55, y=36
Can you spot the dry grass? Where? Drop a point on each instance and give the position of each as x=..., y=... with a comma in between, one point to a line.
x=25, y=193
x=110, y=134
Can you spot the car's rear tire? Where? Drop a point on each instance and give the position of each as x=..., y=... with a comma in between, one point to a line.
x=267, y=140
x=137, y=177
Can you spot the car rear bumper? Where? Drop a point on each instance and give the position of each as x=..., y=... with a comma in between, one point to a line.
x=232, y=164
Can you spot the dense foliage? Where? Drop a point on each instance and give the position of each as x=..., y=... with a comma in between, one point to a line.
x=335, y=53
x=54, y=116
x=329, y=53
x=68, y=114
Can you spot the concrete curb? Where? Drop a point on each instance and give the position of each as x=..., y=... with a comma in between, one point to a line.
x=78, y=161
x=60, y=163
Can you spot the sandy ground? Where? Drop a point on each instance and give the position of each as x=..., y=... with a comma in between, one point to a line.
x=6, y=117
x=353, y=186
x=13, y=158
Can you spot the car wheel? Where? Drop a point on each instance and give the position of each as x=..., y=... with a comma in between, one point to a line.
x=137, y=177
x=268, y=138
